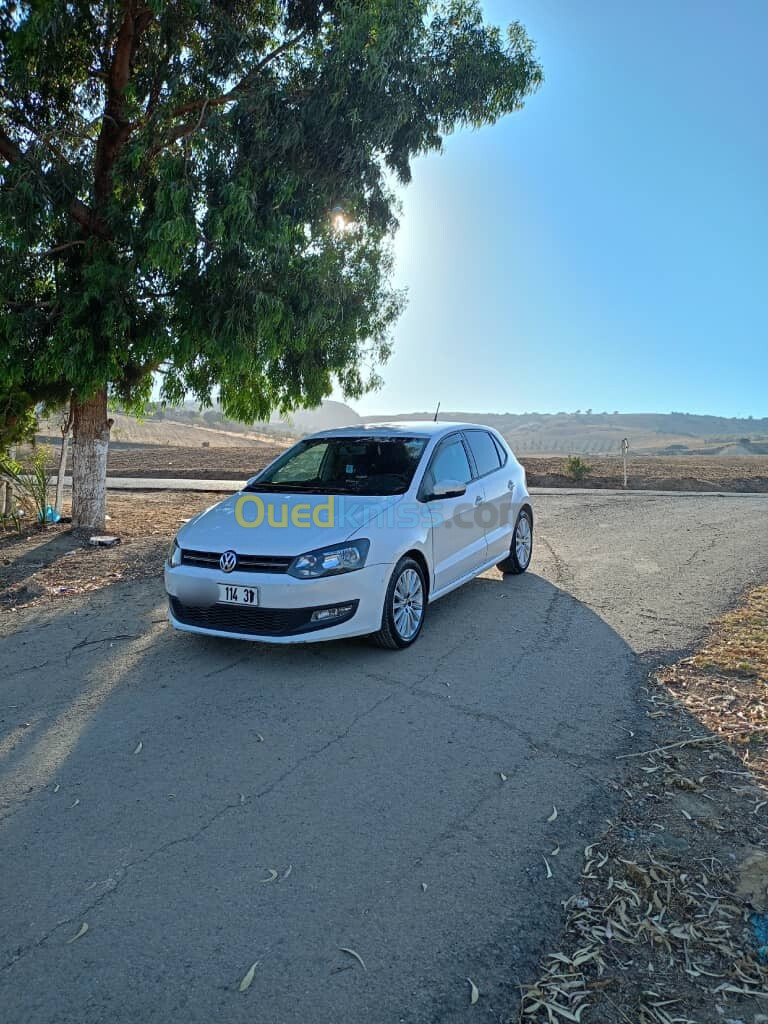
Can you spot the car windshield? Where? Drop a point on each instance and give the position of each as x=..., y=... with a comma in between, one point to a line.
x=345, y=465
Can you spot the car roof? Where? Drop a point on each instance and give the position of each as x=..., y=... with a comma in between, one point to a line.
x=407, y=428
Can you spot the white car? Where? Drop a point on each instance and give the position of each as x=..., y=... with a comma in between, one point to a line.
x=353, y=532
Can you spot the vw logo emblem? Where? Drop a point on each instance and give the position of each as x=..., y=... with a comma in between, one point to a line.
x=228, y=561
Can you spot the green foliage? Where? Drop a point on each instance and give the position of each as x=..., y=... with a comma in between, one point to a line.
x=168, y=183
x=576, y=467
x=30, y=478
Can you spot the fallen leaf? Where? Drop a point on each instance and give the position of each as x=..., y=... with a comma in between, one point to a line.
x=502, y=776
x=287, y=871
x=242, y=798
x=423, y=886
x=553, y=815
x=56, y=788
x=474, y=995
x=139, y=747
x=80, y=934
x=272, y=876
x=75, y=803
x=554, y=853
x=357, y=956
x=248, y=976
x=259, y=738
x=549, y=869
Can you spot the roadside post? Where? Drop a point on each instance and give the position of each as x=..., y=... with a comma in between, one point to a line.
x=625, y=452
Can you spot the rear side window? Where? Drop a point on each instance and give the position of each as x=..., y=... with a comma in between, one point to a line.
x=500, y=449
x=484, y=450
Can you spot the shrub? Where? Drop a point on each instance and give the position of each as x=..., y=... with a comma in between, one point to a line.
x=30, y=479
x=576, y=467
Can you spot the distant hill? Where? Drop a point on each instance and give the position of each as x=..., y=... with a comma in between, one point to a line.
x=601, y=433
x=533, y=433
x=327, y=416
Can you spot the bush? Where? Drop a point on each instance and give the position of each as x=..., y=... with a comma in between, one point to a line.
x=30, y=478
x=576, y=467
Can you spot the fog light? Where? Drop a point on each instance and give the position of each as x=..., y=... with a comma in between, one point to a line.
x=326, y=614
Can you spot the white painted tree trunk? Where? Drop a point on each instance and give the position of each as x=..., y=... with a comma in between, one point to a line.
x=89, y=462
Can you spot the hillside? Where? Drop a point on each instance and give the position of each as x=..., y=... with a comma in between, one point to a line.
x=602, y=433
x=588, y=433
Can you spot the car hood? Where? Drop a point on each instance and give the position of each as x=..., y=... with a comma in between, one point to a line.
x=311, y=521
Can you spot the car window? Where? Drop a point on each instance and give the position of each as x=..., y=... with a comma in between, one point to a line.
x=484, y=451
x=345, y=465
x=450, y=463
x=500, y=449
x=304, y=466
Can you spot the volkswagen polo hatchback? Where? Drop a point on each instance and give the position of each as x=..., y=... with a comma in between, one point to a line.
x=353, y=532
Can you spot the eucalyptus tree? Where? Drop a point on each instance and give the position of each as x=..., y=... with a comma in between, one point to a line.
x=205, y=190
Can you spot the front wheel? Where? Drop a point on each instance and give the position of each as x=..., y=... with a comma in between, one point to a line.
x=405, y=606
x=519, y=557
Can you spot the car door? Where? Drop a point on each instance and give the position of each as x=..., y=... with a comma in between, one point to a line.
x=499, y=512
x=458, y=536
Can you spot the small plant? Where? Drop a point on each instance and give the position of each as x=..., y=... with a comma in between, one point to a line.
x=576, y=467
x=30, y=479
x=10, y=520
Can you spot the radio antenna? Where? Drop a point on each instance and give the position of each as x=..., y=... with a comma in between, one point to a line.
x=437, y=410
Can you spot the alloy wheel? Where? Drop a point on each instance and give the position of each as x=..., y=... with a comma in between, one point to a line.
x=523, y=541
x=408, y=604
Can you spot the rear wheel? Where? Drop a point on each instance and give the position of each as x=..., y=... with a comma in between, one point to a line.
x=405, y=606
x=519, y=557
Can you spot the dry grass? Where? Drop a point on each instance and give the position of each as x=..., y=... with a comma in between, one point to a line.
x=724, y=685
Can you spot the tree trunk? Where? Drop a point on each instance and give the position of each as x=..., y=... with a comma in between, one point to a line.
x=89, y=461
x=7, y=504
x=62, y=471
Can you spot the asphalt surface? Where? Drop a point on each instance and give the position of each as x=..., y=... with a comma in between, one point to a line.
x=152, y=782
x=153, y=483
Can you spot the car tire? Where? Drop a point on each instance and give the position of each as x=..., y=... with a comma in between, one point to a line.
x=521, y=549
x=405, y=606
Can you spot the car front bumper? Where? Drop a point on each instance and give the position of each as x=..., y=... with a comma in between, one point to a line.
x=284, y=608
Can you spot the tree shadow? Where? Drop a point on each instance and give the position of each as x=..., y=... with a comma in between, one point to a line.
x=41, y=554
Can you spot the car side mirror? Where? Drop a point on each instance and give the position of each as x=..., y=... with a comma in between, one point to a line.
x=447, y=489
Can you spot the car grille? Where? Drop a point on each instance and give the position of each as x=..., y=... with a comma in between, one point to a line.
x=245, y=563
x=253, y=621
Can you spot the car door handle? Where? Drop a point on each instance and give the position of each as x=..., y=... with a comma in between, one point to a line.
x=511, y=485
x=479, y=500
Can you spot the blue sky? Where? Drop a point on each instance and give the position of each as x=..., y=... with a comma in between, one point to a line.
x=605, y=248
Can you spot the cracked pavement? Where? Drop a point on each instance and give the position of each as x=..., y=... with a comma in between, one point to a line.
x=366, y=772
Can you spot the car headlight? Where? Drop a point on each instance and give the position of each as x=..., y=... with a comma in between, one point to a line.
x=330, y=561
x=174, y=555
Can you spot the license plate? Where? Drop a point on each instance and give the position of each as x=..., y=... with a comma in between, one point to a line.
x=238, y=595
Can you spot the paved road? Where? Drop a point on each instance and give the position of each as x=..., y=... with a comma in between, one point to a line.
x=369, y=775
x=152, y=483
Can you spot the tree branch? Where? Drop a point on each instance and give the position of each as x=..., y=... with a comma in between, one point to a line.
x=81, y=213
x=181, y=131
x=62, y=247
x=115, y=129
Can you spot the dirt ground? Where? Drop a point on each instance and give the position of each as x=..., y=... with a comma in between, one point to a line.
x=675, y=473
x=43, y=565
x=662, y=473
